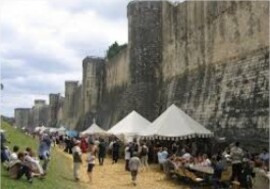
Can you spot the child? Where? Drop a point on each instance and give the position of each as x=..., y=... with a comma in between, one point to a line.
x=91, y=163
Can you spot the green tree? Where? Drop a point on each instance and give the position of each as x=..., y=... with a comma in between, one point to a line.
x=114, y=49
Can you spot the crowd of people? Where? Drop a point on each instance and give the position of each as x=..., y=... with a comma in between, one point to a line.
x=244, y=166
x=137, y=155
x=246, y=169
x=19, y=162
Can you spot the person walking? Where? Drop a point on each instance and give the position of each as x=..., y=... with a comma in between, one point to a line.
x=236, y=157
x=144, y=156
x=134, y=165
x=101, y=151
x=44, y=151
x=91, y=163
x=115, y=151
x=127, y=156
x=77, y=159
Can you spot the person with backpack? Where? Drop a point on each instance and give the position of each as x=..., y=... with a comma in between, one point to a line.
x=144, y=156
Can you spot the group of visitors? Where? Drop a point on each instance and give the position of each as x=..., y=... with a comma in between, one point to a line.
x=19, y=163
x=244, y=167
x=136, y=156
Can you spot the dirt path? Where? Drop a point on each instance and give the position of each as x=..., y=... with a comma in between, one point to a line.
x=113, y=176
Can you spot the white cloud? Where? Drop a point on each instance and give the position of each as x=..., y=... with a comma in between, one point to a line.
x=44, y=42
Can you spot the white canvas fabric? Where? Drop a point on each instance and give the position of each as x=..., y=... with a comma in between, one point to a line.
x=176, y=123
x=131, y=125
x=93, y=129
x=40, y=129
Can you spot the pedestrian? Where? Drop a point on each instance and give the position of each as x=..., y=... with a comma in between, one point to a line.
x=134, y=165
x=127, y=156
x=91, y=163
x=115, y=151
x=101, y=151
x=236, y=157
x=144, y=155
x=77, y=159
x=44, y=151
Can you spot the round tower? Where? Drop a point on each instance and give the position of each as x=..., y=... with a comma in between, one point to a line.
x=145, y=49
x=145, y=39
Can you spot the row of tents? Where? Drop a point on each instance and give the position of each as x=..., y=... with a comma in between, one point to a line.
x=172, y=124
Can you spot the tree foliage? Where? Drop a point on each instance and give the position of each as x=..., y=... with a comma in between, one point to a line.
x=114, y=49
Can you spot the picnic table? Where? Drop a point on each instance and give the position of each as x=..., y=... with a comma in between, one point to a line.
x=202, y=169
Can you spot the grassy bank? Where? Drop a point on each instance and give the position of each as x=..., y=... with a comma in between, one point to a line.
x=60, y=168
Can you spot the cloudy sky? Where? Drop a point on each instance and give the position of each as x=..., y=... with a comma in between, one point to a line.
x=43, y=43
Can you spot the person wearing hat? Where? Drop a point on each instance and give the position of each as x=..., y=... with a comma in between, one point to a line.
x=77, y=159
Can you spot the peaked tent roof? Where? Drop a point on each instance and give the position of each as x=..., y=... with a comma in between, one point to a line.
x=176, y=123
x=93, y=129
x=132, y=124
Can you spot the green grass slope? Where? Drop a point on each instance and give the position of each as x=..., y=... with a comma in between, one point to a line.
x=59, y=174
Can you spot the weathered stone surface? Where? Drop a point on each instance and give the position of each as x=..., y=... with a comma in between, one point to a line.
x=211, y=58
x=22, y=117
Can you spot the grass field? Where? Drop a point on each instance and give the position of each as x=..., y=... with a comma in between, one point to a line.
x=59, y=174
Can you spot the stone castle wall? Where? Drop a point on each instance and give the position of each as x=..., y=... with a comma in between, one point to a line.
x=216, y=63
x=209, y=58
x=22, y=117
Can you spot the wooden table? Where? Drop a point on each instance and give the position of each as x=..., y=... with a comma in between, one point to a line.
x=202, y=169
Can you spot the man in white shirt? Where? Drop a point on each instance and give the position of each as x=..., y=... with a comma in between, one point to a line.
x=127, y=156
x=264, y=156
x=237, y=155
x=77, y=159
x=162, y=156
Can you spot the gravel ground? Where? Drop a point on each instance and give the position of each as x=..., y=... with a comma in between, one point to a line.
x=114, y=176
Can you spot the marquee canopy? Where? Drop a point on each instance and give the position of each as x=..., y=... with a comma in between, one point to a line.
x=130, y=126
x=93, y=129
x=174, y=123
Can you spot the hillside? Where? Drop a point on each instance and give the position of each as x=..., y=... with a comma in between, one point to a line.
x=60, y=168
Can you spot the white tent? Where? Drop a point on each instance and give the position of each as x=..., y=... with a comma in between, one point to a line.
x=130, y=126
x=61, y=130
x=174, y=123
x=40, y=129
x=93, y=129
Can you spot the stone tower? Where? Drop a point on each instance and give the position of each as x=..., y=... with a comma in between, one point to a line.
x=40, y=112
x=22, y=117
x=93, y=78
x=145, y=48
x=54, y=102
x=70, y=101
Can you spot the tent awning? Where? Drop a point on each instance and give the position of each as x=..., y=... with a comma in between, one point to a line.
x=174, y=123
x=93, y=129
x=131, y=125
